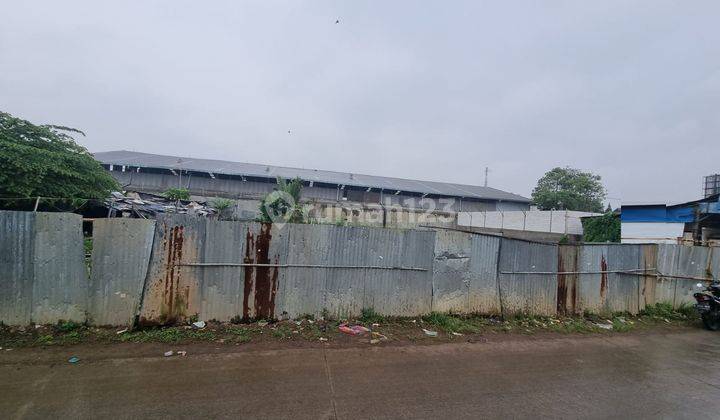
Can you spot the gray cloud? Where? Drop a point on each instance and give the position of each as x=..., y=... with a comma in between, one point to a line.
x=429, y=90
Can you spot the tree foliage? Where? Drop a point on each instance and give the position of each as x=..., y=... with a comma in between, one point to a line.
x=605, y=228
x=45, y=161
x=177, y=194
x=222, y=205
x=283, y=204
x=569, y=189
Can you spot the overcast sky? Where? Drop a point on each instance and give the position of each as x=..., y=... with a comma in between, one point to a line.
x=436, y=90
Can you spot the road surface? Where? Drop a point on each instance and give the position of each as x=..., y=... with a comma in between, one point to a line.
x=669, y=374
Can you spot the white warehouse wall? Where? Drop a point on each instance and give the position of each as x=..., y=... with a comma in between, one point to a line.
x=651, y=232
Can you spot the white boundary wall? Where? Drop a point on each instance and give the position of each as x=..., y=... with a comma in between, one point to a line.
x=560, y=221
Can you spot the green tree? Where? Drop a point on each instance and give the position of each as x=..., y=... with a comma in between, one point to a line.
x=45, y=161
x=569, y=189
x=283, y=204
x=605, y=228
x=177, y=194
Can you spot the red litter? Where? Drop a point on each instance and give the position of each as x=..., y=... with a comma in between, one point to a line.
x=353, y=329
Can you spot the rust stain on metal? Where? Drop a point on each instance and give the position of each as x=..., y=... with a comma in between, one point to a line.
x=174, y=304
x=649, y=283
x=260, y=283
x=248, y=273
x=265, y=277
x=567, y=283
x=603, y=279
x=561, y=285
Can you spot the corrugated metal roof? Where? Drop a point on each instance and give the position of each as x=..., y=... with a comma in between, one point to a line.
x=147, y=160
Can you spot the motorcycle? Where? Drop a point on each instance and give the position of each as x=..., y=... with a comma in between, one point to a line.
x=708, y=305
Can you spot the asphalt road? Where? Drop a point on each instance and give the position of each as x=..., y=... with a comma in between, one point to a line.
x=669, y=375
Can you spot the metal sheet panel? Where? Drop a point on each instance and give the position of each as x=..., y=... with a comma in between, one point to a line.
x=715, y=263
x=17, y=234
x=592, y=288
x=171, y=291
x=528, y=293
x=346, y=291
x=221, y=287
x=302, y=290
x=120, y=256
x=451, y=271
x=610, y=292
x=667, y=258
x=345, y=288
x=567, y=283
x=399, y=292
x=648, y=281
x=693, y=261
x=465, y=273
x=483, y=290
x=682, y=261
x=60, y=283
x=623, y=291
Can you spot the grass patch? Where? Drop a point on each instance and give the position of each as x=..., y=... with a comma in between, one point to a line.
x=572, y=325
x=238, y=334
x=664, y=310
x=451, y=323
x=45, y=340
x=167, y=335
x=67, y=326
x=282, y=332
x=369, y=316
x=621, y=325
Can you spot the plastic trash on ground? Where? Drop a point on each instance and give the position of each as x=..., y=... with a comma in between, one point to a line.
x=199, y=324
x=353, y=329
x=430, y=333
x=73, y=359
x=168, y=353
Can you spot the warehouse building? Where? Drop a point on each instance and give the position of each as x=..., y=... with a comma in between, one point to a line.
x=247, y=183
x=692, y=223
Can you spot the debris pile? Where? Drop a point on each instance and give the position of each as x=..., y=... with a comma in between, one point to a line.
x=147, y=206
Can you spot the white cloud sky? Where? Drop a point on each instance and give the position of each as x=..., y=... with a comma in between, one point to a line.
x=428, y=90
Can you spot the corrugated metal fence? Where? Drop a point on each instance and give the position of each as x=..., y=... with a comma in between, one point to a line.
x=179, y=267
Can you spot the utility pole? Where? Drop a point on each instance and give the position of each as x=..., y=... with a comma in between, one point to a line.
x=487, y=169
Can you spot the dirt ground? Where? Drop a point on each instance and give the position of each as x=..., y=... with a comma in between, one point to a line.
x=655, y=372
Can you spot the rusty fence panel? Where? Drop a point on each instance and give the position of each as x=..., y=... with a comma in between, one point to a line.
x=234, y=270
x=465, y=273
x=567, y=284
x=522, y=291
x=171, y=291
x=603, y=286
x=648, y=280
x=44, y=279
x=119, y=264
x=212, y=270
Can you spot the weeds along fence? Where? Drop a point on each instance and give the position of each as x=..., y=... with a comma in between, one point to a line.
x=179, y=267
